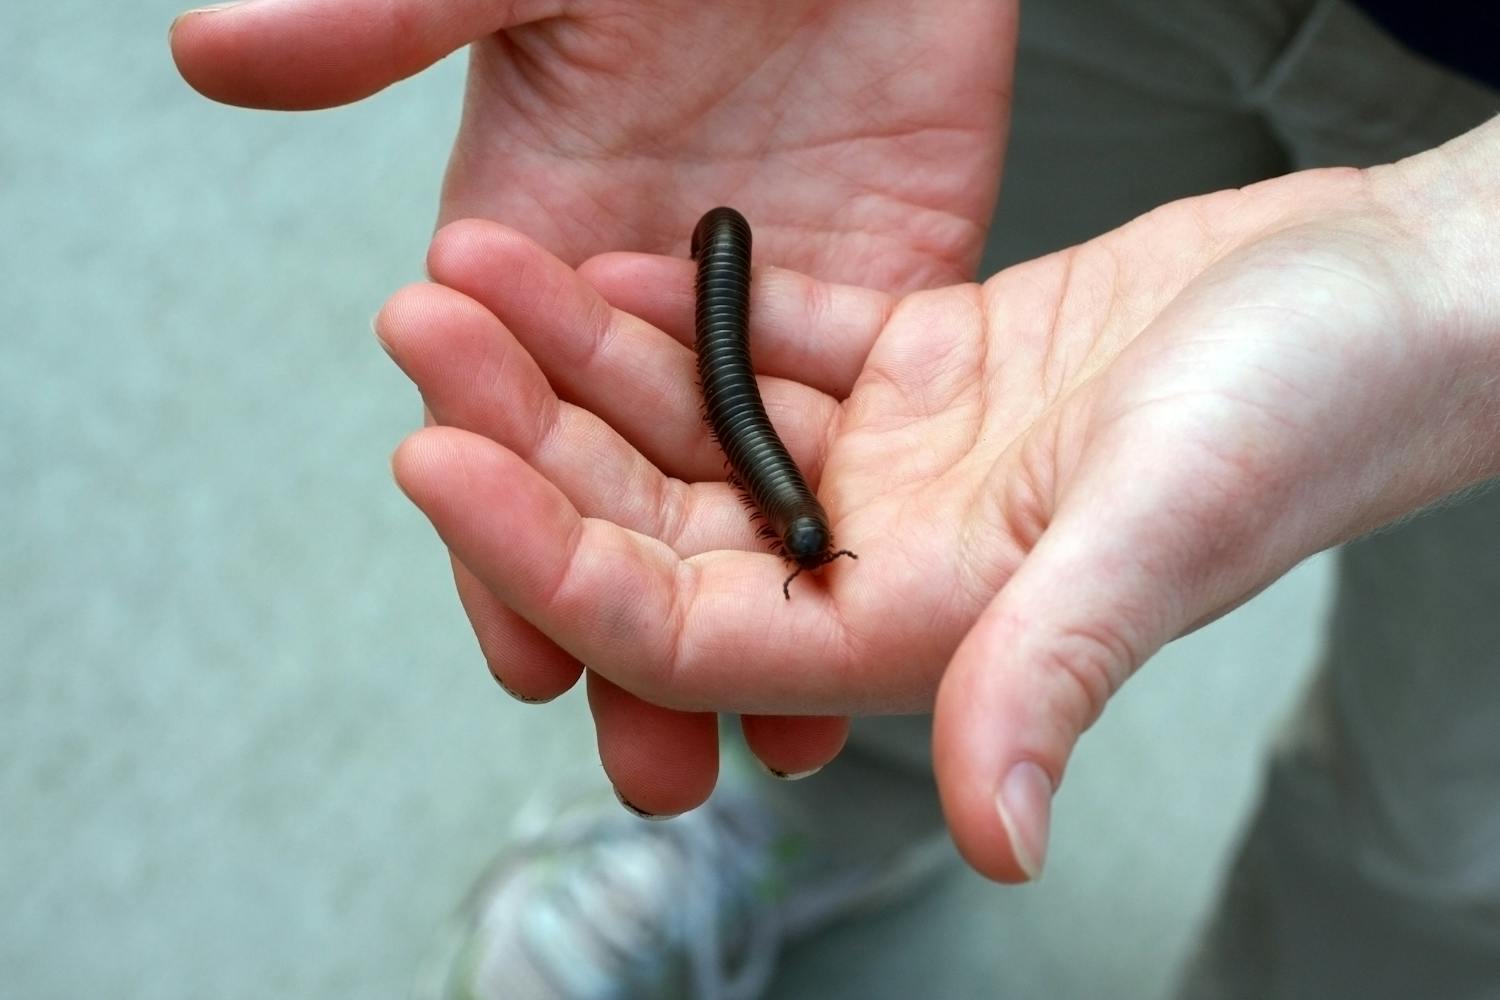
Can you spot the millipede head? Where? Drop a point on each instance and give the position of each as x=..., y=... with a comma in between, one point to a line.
x=823, y=560
x=807, y=540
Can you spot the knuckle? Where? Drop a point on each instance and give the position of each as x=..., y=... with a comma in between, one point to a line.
x=1093, y=661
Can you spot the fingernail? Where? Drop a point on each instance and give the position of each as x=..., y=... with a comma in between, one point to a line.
x=1025, y=805
x=637, y=811
x=375, y=329
x=786, y=775
x=172, y=28
x=516, y=694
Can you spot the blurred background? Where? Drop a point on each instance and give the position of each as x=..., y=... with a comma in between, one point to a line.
x=248, y=747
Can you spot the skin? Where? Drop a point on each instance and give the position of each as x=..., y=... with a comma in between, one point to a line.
x=605, y=125
x=1047, y=477
x=864, y=137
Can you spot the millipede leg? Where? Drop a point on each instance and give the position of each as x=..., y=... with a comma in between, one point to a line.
x=786, y=588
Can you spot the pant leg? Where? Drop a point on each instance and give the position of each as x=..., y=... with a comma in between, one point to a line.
x=1371, y=867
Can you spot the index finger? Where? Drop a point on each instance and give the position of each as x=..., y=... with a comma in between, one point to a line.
x=709, y=632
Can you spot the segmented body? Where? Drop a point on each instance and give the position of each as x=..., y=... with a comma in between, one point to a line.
x=761, y=466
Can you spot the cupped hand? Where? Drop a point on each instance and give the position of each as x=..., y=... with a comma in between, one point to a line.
x=865, y=137
x=1046, y=477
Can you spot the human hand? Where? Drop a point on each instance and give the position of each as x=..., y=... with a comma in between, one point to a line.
x=1046, y=478
x=864, y=137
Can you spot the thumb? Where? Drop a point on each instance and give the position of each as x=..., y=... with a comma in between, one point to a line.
x=302, y=54
x=1085, y=608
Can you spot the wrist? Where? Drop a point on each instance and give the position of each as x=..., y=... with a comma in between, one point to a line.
x=1446, y=203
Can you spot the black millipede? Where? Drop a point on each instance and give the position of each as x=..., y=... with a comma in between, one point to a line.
x=760, y=465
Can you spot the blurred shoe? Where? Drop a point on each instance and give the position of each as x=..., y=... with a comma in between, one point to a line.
x=592, y=903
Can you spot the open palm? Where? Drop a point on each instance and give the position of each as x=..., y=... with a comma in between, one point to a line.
x=1046, y=477
x=864, y=137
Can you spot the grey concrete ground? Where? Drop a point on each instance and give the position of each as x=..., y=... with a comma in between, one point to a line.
x=247, y=748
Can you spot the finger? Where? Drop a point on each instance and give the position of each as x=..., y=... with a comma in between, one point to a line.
x=812, y=331
x=794, y=746
x=528, y=665
x=710, y=632
x=472, y=374
x=637, y=379
x=660, y=762
x=301, y=54
x=647, y=750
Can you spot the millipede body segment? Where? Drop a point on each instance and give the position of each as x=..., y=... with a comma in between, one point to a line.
x=795, y=521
